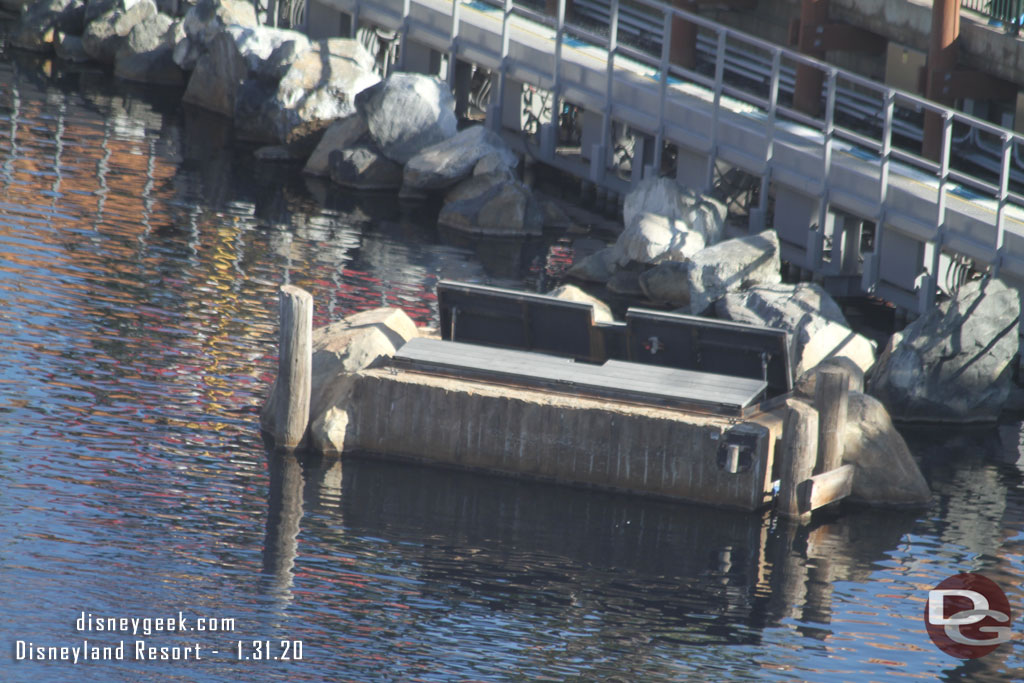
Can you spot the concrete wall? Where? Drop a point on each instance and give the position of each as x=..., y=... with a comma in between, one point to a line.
x=561, y=438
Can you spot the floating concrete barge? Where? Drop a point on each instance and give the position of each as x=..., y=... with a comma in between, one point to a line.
x=641, y=406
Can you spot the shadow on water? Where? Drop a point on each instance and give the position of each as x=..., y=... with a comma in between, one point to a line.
x=706, y=575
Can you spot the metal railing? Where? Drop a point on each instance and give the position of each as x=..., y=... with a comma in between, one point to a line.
x=977, y=201
x=1005, y=13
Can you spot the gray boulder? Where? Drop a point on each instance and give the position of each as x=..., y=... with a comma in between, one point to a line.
x=495, y=162
x=70, y=48
x=626, y=282
x=106, y=34
x=218, y=75
x=364, y=168
x=807, y=383
x=407, y=113
x=340, y=350
x=38, y=25
x=443, y=165
x=148, y=54
x=274, y=67
x=204, y=21
x=319, y=88
x=885, y=471
x=256, y=44
x=602, y=314
x=728, y=266
x=817, y=325
x=491, y=204
x=597, y=267
x=954, y=363
x=688, y=211
x=651, y=238
x=341, y=134
x=97, y=8
x=209, y=17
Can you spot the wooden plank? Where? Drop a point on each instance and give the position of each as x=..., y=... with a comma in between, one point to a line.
x=826, y=488
x=615, y=379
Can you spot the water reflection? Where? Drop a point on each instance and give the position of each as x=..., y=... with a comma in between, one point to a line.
x=141, y=254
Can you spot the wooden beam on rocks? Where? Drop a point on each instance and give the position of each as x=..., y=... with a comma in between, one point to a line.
x=799, y=452
x=289, y=416
x=825, y=488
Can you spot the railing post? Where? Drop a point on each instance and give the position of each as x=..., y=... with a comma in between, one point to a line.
x=1004, y=192
x=403, y=46
x=716, y=109
x=769, y=149
x=659, y=137
x=606, y=114
x=496, y=112
x=815, y=249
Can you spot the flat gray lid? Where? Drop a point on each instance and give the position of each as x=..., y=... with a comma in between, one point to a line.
x=631, y=382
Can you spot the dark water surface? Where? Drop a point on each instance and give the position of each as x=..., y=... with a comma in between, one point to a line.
x=139, y=260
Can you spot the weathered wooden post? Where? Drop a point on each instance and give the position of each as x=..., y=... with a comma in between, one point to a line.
x=831, y=398
x=799, y=452
x=289, y=410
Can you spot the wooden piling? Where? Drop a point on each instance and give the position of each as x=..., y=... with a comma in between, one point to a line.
x=799, y=453
x=831, y=398
x=294, y=368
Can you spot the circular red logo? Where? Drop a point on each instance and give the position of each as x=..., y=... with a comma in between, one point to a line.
x=967, y=616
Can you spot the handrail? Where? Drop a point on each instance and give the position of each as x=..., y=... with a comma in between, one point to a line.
x=1006, y=13
x=824, y=122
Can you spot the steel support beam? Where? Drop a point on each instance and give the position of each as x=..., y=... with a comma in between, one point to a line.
x=942, y=58
x=807, y=92
x=683, y=50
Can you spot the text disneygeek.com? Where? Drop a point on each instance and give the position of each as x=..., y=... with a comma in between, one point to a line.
x=102, y=648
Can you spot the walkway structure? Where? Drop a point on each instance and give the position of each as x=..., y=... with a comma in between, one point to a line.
x=848, y=191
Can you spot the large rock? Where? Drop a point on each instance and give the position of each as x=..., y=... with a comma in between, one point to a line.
x=407, y=113
x=70, y=48
x=954, y=363
x=204, y=21
x=106, y=34
x=805, y=310
x=652, y=238
x=344, y=348
x=218, y=76
x=148, y=54
x=341, y=134
x=319, y=88
x=209, y=17
x=256, y=44
x=886, y=473
x=363, y=167
x=443, y=165
x=735, y=264
x=602, y=314
x=807, y=383
x=597, y=267
x=37, y=26
x=688, y=211
x=492, y=204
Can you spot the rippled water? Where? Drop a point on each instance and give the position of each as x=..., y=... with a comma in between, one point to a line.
x=139, y=259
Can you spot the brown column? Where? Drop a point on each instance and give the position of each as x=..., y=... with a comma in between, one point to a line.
x=807, y=92
x=551, y=8
x=683, y=49
x=942, y=58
